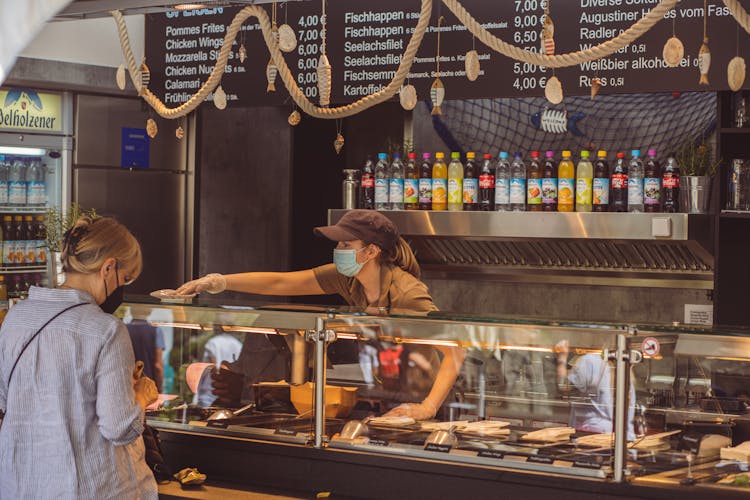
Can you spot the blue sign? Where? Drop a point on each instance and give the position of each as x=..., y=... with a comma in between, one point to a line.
x=135, y=143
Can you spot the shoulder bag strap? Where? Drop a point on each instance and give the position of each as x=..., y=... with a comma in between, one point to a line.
x=35, y=335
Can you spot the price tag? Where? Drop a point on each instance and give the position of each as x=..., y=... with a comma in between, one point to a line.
x=285, y=432
x=650, y=347
x=586, y=464
x=378, y=442
x=491, y=454
x=440, y=448
x=540, y=459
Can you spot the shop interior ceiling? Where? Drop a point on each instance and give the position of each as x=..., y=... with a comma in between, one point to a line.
x=88, y=9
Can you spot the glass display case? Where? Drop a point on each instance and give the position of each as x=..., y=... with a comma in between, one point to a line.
x=652, y=406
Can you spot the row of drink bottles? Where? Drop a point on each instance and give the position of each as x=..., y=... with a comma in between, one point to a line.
x=23, y=240
x=23, y=181
x=629, y=185
x=16, y=286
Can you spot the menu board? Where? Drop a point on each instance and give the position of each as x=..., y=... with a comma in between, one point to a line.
x=366, y=41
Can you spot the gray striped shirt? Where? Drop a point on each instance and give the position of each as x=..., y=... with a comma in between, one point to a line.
x=72, y=427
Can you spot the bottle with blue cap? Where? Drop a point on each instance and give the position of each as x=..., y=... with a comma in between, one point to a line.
x=635, y=182
x=518, y=184
x=502, y=183
x=396, y=183
x=381, y=182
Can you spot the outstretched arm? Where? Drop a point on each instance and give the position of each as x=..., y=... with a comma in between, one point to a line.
x=291, y=283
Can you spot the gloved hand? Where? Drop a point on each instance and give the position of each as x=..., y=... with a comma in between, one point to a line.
x=145, y=392
x=211, y=283
x=227, y=387
x=417, y=411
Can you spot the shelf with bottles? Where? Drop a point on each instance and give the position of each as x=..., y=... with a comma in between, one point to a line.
x=32, y=268
x=23, y=210
x=587, y=184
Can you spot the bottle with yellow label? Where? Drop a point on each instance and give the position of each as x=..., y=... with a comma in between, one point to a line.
x=584, y=181
x=455, y=183
x=566, y=184
x=439, y=183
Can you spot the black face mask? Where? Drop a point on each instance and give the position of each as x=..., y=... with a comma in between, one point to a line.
x=112, y=302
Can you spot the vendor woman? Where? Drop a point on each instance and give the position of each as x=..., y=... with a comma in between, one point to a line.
x=373, y=267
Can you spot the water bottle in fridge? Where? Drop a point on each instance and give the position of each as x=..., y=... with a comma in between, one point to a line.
x=17, y=183
x=36, y=183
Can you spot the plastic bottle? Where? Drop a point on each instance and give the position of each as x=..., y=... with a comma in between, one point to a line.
x=367, y=185
x=41, y=230
x=425, y=183
x=549, y=183
x=651, y=183
x=9, y=241
x=4, y=175
x=671, y=183
x=635, y=182
x=600, y=191
x=17, y=183
x=566, y=184
x=455, y=182
x=16, y=288
x=36, y=183
x=411, y=183
x=584, y=183
x=29, y=251
x=518, y=184
x=619, y=185
x=22, y=235
x=396, y=183
x=471, y=183
x=381, y=182
x=487, y=184
x=534, y=184
x=439, y=183
x=502, y=183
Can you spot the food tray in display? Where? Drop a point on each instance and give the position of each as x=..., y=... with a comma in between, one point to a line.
x=171, y=296
x=394, y=423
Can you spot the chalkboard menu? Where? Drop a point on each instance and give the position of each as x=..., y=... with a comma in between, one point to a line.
x=366, y=40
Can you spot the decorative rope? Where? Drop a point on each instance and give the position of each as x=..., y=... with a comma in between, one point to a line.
x=278, y=59
x=555, y=61
x=740, y=15
x=561, y=60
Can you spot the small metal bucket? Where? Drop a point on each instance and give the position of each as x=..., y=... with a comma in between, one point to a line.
x=695, y=194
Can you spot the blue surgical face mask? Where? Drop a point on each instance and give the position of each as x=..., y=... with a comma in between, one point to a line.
x=346, y=261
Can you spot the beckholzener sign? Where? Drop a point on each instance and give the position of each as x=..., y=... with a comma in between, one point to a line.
x=27, y=109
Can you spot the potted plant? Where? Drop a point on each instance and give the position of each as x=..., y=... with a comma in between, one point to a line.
x=698, y=166
x=57, y=224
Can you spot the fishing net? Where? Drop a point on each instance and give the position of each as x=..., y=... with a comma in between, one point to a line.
x=619, y=122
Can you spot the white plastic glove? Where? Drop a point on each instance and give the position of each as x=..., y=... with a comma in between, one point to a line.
x=211, y=283
x=417, y=411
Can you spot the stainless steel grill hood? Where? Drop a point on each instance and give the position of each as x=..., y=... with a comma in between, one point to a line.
x=618, y=249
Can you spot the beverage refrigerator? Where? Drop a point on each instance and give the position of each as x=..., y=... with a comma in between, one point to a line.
x=36, y=145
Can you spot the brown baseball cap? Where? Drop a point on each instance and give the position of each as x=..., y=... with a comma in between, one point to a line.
x=369, y=226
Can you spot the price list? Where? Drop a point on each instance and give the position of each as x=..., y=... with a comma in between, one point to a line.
x=366, y=42
x=309, y=43
x=528, y=19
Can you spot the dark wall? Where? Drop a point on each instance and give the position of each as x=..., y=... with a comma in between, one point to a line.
x=243, y=194
x=316, y=182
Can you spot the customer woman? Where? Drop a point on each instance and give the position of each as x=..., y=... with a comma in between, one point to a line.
x=73, y=411
x=373, y=268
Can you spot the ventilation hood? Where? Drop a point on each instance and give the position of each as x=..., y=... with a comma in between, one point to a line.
x=616, y=249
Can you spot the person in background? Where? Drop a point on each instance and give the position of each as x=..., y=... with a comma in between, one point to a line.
x=74, y=411
x=219, y=348
x=148, y=346
x=592, y=377
x=374, y=269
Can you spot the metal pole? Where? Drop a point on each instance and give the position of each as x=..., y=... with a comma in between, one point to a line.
x=320, y=381
x=622, y=391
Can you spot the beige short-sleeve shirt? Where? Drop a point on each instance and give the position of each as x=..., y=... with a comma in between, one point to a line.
x=398, y=289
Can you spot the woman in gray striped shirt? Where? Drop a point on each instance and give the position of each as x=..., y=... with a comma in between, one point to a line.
x=73, y=411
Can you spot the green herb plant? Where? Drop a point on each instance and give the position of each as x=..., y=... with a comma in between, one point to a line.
x=696, y=158
x=59, y=221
